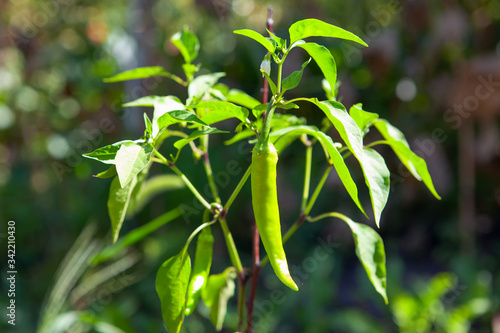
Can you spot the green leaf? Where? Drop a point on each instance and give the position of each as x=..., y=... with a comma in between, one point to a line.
x=110, y=172
x=316, y=28
x=201, y=269
x=164, y=105
x=148, y=101
x=190, y=70
x=240, y=136
x=130, y=159
x=351, y=134
x=187, y=43
x=274, y=90
x=171, y=285
x=293, y=79
x=216, y=294
x=136, y=235
x=118, y=201
x=147, y=124
x=195, y=135
x=257, y=37
x=152, y=187
x=219, y=111
x=377, y=178
x=241, y=98
x=107, y=153
x=138, y=73
x=361, y=117
x=370, y=251
x=179, y=116
x=201, y=84
x=331, y=151
x=286, y=105
x=414, y=163
x=280, y=42
x=324, y=59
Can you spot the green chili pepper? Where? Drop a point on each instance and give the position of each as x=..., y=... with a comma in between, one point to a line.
x=201, y=269
x=266, y=210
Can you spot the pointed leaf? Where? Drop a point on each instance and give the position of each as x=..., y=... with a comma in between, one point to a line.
x=414, y=163
x=179, y=116
x=241, y=98
x=110, y=172
x=377, y=178
x=107, y=153
x=201, y=269
x=118, y=201
x=370, y=251
x=247, y=133
x=148, y=101
x=136, y=235
x=130, y=159
x=274, y=90
x=361, y=117
x=316, y=28
x=147, y=124
x=187, y=43
x=138, y=73
x=293, y=79
x=195, y=135
x=201, y=84
x=216, y=294
x=162, y=106
x=328, y=145
x=351, y=134
x=324, y=59
x=257, y=37
x=219, y=111
x=171, y=285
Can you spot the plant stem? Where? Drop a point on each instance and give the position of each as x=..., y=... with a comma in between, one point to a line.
x=255, y=276
x=307, y=178
x=208, y=169
x=231, y=247
x=318, y=189
x=325, y=215
x=238, y=188
x=190, y=186
x=242, y=287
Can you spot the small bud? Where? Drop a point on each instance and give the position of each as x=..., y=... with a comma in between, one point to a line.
x=265, y=66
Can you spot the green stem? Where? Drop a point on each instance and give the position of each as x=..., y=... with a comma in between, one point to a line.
x=307, y=178
x=379, y=142
x=325, y=215
x=190, y=186
x=208, y=169
x=231, y=247
x=317, y=190
x=238, y=189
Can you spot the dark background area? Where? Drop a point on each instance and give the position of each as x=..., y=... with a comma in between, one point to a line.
x=432, y=69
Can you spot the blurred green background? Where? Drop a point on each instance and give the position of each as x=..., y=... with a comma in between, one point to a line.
x=432, y=69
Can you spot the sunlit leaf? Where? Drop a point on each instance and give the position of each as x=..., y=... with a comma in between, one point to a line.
x=324, y=59
x=333, y=155
x=110, y=172
x=118, y=201
x=138, y=73
x=257, y=37
x=171, y=285
x=316, y=28
x=218, y=111
x=162, y=106
x=361, y=117
x=216, y=294
x=241, y=98
x=293, y=80
x=187, y=43
x=130, y=159
x=107, y=153
x=200, y=85
x=414, y=163
x=179, y=116
x=195, y=135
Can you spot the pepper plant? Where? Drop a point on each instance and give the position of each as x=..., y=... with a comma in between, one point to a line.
x=272, y=127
